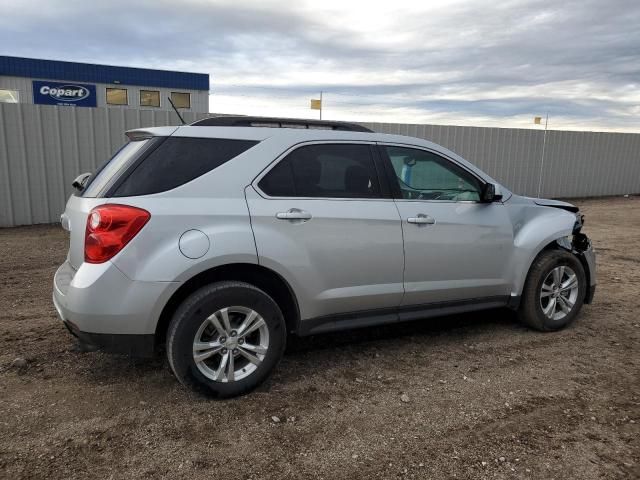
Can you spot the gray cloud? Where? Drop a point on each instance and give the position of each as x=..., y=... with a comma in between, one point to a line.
x=579, y=60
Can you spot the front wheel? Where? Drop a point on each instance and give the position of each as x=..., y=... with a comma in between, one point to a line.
x=225, y=339
x=554, y=291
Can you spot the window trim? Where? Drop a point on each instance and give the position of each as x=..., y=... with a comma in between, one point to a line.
x=106, y=97
x=385, y=193
x=182, y=93
x=392, y=179
x=149, y=106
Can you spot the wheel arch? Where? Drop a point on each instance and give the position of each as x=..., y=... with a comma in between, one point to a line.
x=259, y=276
x=542, y=228
x=561, y=243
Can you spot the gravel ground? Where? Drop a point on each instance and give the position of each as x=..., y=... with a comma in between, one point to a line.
x=471, y=396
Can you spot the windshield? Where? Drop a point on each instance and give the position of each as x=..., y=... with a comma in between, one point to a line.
x=113, y=167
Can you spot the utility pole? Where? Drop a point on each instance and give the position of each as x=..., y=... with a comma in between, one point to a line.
x=320, y=104
x=544, y=144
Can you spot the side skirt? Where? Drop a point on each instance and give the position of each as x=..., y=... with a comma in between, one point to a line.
x=370, y=318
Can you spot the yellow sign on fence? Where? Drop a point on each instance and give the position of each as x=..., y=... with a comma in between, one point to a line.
x=316, y=104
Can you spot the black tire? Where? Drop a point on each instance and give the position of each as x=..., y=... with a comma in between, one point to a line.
x=530, y=311
x=191, y=315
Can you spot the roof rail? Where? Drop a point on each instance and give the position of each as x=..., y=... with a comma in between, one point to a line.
x=274, y=122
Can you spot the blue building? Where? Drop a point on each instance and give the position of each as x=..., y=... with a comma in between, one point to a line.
x=52, y=82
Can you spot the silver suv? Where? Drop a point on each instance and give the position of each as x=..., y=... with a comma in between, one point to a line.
x=220, y=238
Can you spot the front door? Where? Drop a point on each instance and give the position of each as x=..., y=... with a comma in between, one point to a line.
x=456, y=248
x=320, y=220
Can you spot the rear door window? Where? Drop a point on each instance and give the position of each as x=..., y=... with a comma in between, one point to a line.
x=178, y=160
x=324, y=171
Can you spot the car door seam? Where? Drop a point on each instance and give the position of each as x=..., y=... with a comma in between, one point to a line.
x=404, y=254
x=253, y=233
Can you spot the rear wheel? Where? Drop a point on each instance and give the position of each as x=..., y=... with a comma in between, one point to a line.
x=225, y=339
x=554, y=291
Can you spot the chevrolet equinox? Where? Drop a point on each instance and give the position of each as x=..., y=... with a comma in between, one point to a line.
x=219, y=238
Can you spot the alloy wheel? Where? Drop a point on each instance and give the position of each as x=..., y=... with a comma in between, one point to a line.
x=559, y=292
x=230, y=344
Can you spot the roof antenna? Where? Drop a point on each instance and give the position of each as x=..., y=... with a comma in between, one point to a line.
x=176, y=110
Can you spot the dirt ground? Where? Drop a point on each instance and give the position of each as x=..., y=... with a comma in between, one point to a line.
x=487, y=398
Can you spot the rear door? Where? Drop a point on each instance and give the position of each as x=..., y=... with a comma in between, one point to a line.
x=456, y=248
x=323, y=221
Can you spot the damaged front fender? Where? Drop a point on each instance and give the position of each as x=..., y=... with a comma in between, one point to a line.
x=580, y=245
x=539, y=224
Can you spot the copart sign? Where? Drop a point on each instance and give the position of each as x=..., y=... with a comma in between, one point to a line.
x=67, y=94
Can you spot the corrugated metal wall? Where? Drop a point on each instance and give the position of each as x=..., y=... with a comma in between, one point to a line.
x=576, y=164
x=43, y=148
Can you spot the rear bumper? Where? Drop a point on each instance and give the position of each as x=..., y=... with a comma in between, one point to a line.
x=132, y=345
x=106, y=309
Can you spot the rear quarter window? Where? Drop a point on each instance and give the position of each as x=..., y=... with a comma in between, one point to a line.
x=176, y=161
x=109, y=171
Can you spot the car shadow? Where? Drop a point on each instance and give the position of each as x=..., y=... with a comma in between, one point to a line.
x=452, y=325
x=461, y=327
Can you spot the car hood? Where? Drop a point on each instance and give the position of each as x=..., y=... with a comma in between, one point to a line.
x=555, y=203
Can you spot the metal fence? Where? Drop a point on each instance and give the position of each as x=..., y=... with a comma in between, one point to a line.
x=576, y=164
x=43, y=148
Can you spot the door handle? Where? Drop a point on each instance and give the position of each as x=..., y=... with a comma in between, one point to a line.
x=422, y=219
x=293, y=214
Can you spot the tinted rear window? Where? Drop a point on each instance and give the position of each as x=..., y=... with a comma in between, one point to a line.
x=107, y=172
x=178, y=160
x=324, y=171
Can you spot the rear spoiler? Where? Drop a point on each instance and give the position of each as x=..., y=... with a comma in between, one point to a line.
x=146, y=133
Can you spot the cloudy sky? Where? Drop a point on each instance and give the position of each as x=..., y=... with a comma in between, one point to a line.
x=455, y=62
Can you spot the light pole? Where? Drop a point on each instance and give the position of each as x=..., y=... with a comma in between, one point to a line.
x=544, y=144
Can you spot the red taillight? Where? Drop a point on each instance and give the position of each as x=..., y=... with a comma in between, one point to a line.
x=109, y=229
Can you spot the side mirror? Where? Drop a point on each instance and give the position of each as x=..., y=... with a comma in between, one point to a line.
x=490, y=194
x=80, y=181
